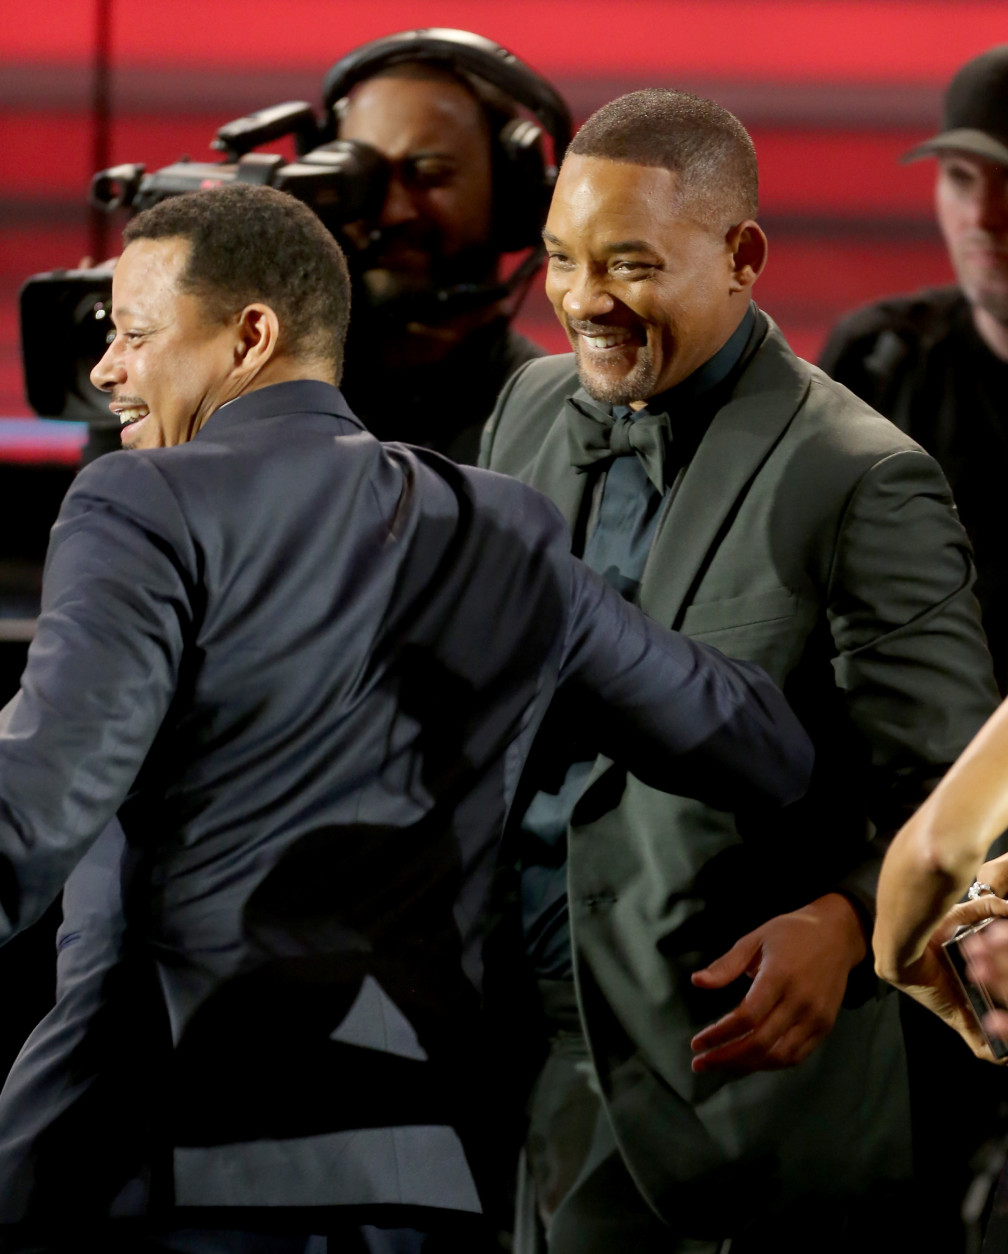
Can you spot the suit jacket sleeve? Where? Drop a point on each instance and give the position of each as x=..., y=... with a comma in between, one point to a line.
x=908, y=650
x=101, y=673
x=687, y=719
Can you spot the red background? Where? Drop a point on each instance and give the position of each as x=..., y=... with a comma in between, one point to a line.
x=833, y=92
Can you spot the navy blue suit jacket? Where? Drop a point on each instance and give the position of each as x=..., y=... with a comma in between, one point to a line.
x=304, y=669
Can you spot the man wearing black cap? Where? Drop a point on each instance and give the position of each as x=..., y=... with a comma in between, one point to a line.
x=936, y=361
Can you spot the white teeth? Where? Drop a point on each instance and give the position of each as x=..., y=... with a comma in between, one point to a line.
x=604, y=341
x=131, y=415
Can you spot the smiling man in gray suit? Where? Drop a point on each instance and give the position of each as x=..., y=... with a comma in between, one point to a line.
x=752, y=1086
x=304, y=670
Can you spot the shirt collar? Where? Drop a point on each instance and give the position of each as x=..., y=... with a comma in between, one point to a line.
x=277, y=399
x=681, y=396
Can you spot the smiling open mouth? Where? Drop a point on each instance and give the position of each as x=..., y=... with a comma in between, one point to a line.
x=130, y=414
x=603, y=337
x=608, y=340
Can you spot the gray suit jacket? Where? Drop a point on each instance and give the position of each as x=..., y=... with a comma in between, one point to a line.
x=305, y=670
x=810, y=535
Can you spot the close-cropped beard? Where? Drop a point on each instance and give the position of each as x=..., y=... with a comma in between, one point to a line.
x=638, y=384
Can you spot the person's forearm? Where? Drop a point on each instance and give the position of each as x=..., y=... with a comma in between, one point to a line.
x=686, y=718
x=935, y=856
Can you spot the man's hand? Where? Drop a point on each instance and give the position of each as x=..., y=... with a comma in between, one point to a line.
x=931, y=980
x=798, y=964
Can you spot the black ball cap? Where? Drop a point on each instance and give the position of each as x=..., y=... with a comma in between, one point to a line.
x=975, y=117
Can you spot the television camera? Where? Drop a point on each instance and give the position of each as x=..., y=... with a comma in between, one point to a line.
x=65, y=313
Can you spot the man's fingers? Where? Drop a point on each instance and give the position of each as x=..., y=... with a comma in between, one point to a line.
x=737, y=961
x=777, y=1024
x=747, y=1056
x=777, y=1042
x=794, y=1046
x=752, y=1011
x=730, y=1027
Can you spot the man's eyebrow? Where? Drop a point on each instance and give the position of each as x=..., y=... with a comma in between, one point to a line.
x=629, y=246
x=617, y=246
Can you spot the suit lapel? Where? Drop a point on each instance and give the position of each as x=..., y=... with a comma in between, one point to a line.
x=551, y=472
x=742, y=435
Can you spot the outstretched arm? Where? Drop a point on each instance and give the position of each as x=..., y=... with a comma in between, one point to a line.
x=100, y=676
x=685, y=718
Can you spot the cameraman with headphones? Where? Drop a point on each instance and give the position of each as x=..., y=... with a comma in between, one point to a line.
x=469, y=183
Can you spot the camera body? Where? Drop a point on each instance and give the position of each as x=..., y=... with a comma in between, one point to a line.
x=65, y=322
x=65, y=314
x=340, y=180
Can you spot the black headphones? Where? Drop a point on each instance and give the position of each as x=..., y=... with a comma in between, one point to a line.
x=523, y=174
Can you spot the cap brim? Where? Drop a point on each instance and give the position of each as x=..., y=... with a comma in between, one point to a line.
x=978, y=143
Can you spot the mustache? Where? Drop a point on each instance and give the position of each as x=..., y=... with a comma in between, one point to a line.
x=983, y=239
x=596, y=328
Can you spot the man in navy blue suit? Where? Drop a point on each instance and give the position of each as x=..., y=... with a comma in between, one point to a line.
x=302, y=670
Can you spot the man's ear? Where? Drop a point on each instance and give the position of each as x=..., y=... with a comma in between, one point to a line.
x=748, y=246
x=258, y=338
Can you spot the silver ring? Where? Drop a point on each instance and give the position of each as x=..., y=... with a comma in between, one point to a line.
x=978, y=889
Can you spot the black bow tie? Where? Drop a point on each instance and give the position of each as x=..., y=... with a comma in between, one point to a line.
x=595, y=435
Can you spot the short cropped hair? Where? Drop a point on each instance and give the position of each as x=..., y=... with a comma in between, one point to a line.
x=705, y=146
x=250, y=243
